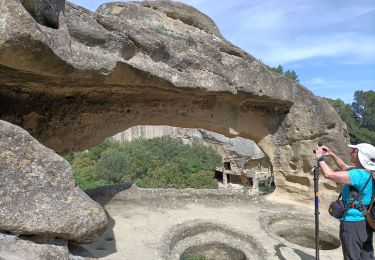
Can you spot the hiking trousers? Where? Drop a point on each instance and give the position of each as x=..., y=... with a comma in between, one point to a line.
x=356, y=240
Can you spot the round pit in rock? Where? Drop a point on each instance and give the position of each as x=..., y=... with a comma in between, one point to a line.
x=205, y=240
x=306, y=238
x=217, y=251
x=300, y=230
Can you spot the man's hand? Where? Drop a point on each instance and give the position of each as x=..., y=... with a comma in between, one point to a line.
x=326, y=150
x=319, y=151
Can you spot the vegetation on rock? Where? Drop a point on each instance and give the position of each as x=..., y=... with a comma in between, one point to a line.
x=291, y=74
x=155, y=163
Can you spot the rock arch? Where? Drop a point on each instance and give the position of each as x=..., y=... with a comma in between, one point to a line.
x=154, y=63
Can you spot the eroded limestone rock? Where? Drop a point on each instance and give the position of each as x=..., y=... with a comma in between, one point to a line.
x=13, y=247
x=37, y=192
x=156, y=63
x=45, y=12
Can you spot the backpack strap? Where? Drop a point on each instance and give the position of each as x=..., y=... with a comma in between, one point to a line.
x=358, y=196
x=373, y=193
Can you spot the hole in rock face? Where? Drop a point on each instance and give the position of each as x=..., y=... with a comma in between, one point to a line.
x=306, y=238
x=213, y=251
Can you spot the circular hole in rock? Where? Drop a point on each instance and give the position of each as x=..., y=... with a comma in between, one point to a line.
x=213, y=251
x=306, y=238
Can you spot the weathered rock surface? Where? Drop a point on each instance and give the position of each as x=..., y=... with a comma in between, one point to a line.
x=155, y=63
x=238, y=149
x=45, y=12
x=37, y=192
x=34, y=248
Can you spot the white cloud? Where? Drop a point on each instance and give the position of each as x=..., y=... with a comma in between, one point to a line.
x=345, y=48
x=280, y=32
x=338, y=88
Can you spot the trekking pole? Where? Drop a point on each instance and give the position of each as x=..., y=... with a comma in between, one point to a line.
x=315, y=171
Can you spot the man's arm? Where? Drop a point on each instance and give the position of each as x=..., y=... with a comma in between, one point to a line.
x=338, y=177
x=338, y=161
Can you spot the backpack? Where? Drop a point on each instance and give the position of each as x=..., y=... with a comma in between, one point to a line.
x=370, y=216
x=339, y=207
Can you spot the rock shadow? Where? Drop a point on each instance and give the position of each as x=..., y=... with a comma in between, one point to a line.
x=106, y=244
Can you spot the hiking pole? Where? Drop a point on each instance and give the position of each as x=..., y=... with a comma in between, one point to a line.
x=315, y=171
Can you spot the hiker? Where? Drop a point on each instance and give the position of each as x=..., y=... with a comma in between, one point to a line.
x=357, y=190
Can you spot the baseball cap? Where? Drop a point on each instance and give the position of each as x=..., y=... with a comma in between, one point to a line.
x=366, y=155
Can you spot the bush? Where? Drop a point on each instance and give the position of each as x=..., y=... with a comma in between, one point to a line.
x=155, y=163
x=85, y=175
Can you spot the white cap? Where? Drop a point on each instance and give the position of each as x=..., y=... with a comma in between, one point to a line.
x=366, y=155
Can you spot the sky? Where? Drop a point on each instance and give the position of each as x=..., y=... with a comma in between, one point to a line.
x=329, y=44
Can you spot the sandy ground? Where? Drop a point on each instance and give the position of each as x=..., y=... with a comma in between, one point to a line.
x=141, y=227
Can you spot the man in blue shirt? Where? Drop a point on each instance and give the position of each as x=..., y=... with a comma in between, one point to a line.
x=355, y=234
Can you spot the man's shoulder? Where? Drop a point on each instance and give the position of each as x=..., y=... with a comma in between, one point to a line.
x=358, y=176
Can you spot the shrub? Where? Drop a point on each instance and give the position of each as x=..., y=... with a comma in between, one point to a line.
x=155, y=163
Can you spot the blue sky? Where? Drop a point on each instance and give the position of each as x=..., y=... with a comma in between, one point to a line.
x=330, y=44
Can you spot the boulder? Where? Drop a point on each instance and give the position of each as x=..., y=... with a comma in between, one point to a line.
x=38, y=194
x=13, y=247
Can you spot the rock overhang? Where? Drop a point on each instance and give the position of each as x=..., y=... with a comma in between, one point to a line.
x=96, y=44
x=155, y=62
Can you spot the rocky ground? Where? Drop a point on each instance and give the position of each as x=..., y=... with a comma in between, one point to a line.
x=165, y=224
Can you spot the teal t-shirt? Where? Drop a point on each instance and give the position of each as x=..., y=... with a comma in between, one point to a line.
x=358, y=178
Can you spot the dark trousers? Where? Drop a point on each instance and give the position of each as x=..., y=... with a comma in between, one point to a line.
x=356, y=240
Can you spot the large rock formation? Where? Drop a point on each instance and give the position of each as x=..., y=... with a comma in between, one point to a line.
x=155, y=63
x=37, y=192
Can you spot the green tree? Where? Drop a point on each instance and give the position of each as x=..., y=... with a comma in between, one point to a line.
x=278, y=69
x=291, y=74
x=85, y=174
x=364, y=108
x=353, y=115
x=159, y=162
